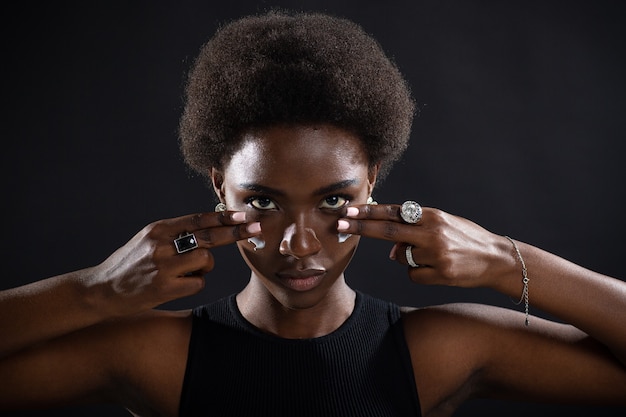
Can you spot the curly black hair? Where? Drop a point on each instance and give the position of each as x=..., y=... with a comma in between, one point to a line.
x=293, y=68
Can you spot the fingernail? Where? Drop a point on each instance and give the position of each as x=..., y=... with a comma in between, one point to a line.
x=352, y=212
x=343, y=225
x=392, y=254
x=254, y=227
x=239, y=216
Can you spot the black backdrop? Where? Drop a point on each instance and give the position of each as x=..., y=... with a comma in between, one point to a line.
x=521, y=130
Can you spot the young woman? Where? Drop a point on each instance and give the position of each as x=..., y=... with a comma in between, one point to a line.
x=293, y=119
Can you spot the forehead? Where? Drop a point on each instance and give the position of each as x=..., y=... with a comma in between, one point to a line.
x=321, y=153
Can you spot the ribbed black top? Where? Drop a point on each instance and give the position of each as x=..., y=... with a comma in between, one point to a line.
x=361, y=369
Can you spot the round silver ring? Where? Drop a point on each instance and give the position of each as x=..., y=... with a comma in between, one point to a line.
x=409, y=257
x=185, y=242
x=411, y=212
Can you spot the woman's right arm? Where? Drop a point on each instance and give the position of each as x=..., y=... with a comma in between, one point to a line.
x=144, y=273
x=50, y=308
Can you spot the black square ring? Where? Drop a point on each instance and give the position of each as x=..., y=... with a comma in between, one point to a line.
x=185, y=243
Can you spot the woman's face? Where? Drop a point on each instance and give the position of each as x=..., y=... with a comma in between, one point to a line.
x=295, y=180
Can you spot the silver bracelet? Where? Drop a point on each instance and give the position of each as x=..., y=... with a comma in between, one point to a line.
x=525, y=280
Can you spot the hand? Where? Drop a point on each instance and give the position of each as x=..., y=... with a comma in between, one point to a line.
x=449, y=250
x=147, y=271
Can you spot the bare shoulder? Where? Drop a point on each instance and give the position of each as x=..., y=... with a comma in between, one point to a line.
x=461, y=351
x=146, y=335
x=153, y=324
x=137, y=361
x=458, y=319
x=477, y=333
x=444, y=344
x=152, y=355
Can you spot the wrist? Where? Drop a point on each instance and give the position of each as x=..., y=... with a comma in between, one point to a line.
x=507, y=277
x=525, y=280
x=97, y=296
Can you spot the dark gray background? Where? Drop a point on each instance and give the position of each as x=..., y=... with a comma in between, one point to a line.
x=522, y=131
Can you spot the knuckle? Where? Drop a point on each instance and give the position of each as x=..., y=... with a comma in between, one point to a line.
x=196, y=220
x=390, y=230
x=366, y=211
x=437, y=216
x=447, y=269
x=204, y=254
x=201, y=258
x=208, y=259
x=159, y=251
x=392, y=212
x=206, y=236
x=223, y=218
x=154, y=229
x=359, y=227
x=238, y=231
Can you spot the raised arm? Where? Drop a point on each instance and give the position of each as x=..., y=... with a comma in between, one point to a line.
x=142, y=274
x=454, y=251
x=469, y=350
x=592, y=302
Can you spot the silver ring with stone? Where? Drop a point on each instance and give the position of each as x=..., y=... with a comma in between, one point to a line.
x=411, y=212
x=409, y=257
x=185, y=242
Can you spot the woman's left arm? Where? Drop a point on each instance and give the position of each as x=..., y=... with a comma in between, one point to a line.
x=592, y=302
x=454, y=251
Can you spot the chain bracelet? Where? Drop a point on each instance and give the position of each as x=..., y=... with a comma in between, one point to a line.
x=525, y=281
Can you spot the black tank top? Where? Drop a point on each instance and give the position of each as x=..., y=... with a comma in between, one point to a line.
x=361, y=369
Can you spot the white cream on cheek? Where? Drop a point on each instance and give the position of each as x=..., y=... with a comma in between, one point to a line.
x=270, y=157
x=342, y=237
x=257, y=242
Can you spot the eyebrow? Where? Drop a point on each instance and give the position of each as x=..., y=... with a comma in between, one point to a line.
x=320, y=191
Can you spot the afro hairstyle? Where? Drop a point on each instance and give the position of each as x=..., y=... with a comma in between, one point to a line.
x=293, y=68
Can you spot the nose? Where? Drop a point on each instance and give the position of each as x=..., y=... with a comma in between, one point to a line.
x=299, y=241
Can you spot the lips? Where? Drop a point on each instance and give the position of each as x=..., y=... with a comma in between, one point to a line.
x=301, y=280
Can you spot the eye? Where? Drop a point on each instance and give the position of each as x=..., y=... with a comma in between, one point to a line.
x=334, y=202
x=261, y=203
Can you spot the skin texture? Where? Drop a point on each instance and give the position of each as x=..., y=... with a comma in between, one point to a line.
x=302, y=202
x=297, y=187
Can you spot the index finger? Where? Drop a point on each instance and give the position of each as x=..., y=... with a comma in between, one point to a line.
x=198, y=221
x=224, y=235
x=377, y=221
x=215, y=228
x=389, y=212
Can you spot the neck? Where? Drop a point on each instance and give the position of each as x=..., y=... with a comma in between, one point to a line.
x=309, y=320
